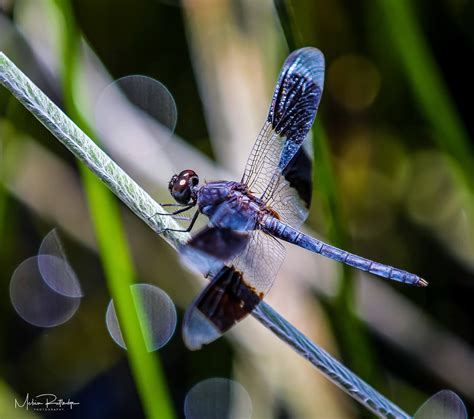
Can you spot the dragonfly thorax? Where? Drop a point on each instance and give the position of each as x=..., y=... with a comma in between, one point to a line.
x=231, y=205
x=182, y=187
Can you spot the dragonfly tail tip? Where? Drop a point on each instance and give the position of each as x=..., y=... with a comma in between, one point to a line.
x=422, y=282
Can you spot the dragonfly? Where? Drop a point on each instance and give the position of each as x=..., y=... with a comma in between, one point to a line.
x=240, y=249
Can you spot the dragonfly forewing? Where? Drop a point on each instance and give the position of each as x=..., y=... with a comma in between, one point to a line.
x=292, y=112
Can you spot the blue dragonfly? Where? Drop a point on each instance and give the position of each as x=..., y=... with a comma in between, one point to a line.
x=240, y=248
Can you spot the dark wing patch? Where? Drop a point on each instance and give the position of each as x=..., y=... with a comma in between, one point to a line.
x=296, y=99
x=224, y=302
x=221, y=243
x=211, y=247
x=298, y=173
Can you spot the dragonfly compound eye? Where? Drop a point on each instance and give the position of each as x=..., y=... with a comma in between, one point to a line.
x=181, y=186
x=172, y=182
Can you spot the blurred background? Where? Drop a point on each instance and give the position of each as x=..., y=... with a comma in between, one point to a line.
x=394, y=182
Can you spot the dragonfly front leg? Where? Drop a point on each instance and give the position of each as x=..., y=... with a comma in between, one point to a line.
x=179, y=230
x=174, y=205
x=172, y=214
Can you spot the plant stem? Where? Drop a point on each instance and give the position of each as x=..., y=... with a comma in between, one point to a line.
x=330, y=367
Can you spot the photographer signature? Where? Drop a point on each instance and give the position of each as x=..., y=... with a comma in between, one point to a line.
x=46, y=401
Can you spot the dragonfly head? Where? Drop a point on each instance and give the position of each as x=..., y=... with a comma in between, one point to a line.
x=182, y=186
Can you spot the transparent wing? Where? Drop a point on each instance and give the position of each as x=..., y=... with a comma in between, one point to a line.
x=260, y=261
x=290, y=117
x=443, y=405
x=291, y=195
x=234, y=291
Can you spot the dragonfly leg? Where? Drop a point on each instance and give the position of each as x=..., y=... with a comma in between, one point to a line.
x=184, y=230
x=172, y=214
x=181, y=218
x=173, y=205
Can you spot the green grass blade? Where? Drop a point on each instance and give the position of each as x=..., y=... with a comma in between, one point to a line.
x=426, y=81
x=145, y=366
x=110, y=235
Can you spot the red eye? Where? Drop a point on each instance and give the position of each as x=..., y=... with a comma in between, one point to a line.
x=181, y=186
x=172, y=182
